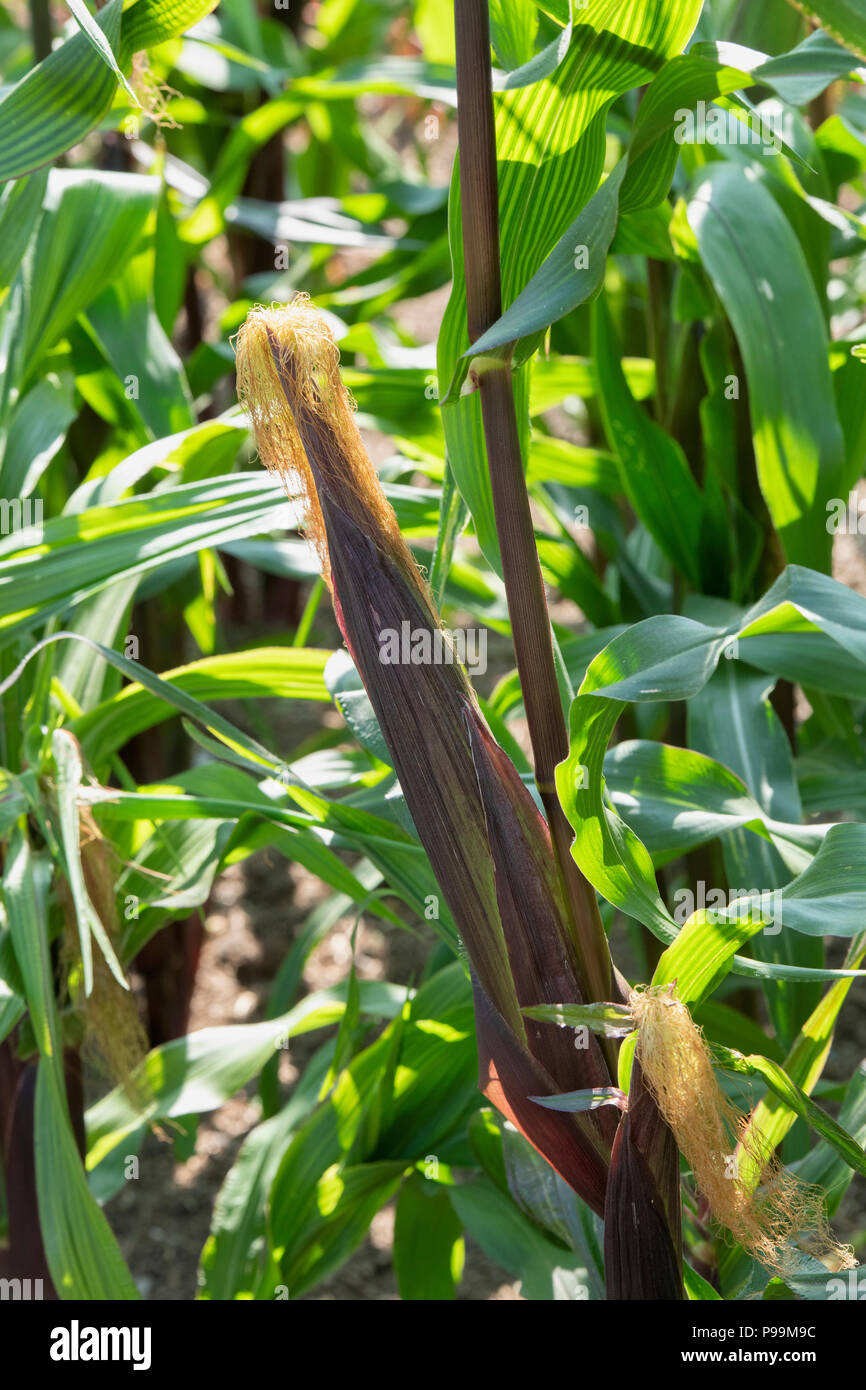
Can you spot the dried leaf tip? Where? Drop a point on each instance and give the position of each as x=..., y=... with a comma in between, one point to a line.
x=303, y=419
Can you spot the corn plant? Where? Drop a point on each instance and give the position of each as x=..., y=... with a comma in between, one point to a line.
x=627, y=460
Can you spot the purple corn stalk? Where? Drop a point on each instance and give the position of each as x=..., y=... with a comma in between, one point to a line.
x=489, y=846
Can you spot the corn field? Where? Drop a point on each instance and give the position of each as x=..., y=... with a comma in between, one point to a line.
x=433, y=658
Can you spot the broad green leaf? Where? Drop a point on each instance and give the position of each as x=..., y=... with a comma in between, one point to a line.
x=829, y=897
x=60, y=100
x=702, y=954
x=733, y=720
x=672, y=658
x=574, y=269
x=654, y=472
x=548, y=1200
x=428, y=1242
x=48, y=569
x=610, y=49
x=150, y=22
x=768, y=293
x=571, y=274
x=557, y=377
x=205, y=451
x=25, y=891
x=823, y=1165
x=676, y=799
x=20, y=210
x=697, y=1287
x=335, y=1221
x=291, y=673
x=844, y=20
x=512, y=31
x=36, y=431
x=201, y=1071
x=54, y=105
x=396, y=1101
x=83, y=1255
x=231, y=1260
x=546, y=1271
x=798, y=76
x=95, y=35
x=67, y=267
x=773, y=1117
x=69, y=772
x=797, y=1101
x=130, y=335
x=681, y=84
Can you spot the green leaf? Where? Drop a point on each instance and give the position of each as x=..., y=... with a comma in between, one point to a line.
x=546, y=1271
x=201, y=1071
x=83, y=1255
x=232, y=1255
x=676, y=799
x=823, y=1166
x=289, y=673
x=764, y=283
x=571, y=274
x=681, y=84
x=59, y=101
x=95, y=35
x=49, y=569
x=20, y=210
x=428, y=1241
x=774, y=1116
x=150, y=22
x=67, y=267
x=798, y=76
x=542, y=187
x=828, y=898
x=702, y=955
x=797, y=1101
x=844, y=20
x=25, y=895
x=54, y=106
x=732, y=719
x=654, y=472
x=609, y=1020
x=37, y=429
x=130, y=335
x=697, y=1287
x=335, y=1220
x=672, y=658
x=577, y=1102
x=70, y=774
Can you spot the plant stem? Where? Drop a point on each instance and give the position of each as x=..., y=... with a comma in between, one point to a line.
x=658, y=313
x=524, y=586
x=40, y=28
